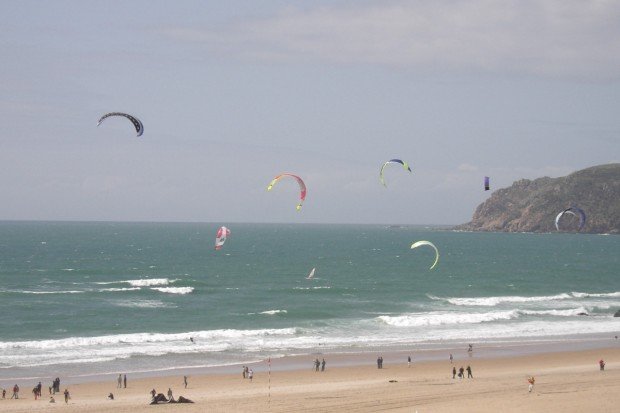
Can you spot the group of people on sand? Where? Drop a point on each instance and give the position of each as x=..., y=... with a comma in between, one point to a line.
x=160, y=398
x=319, y=365
x=248, y=373
x=121, y=381
x=37, y=391
x=461, y=373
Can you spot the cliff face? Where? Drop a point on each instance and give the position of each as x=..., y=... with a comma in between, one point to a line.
x=531, y=206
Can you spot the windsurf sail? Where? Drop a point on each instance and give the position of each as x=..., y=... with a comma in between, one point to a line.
x=220, y=237
x=311, y=275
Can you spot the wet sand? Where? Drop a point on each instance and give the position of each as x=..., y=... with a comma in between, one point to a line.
x=566, y=381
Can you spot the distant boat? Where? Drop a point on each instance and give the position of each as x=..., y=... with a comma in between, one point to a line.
x=311, y=275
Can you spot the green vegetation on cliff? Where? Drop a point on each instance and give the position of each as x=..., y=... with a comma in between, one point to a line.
x=531, y=206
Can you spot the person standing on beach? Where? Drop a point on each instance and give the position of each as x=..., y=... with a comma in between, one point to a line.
x=451, y=358
x=317, y=364
x=409, y=361
x=4, y=393
x=243, y=371
x=125, y=381
x=453, y=372
x=67, y=397
x=169, y=394
x=469, y=375
x=119, y=382
x=185, y=381
x=601, y=364
x=531, y=382
x=15, y=392
x=323, y=365
x=250, y=375
x=461, y=372
x=470, y=350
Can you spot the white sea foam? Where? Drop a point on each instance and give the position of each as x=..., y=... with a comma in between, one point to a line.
x=273, y=312
x=443, y=318
x=119, y=289
x=148, y=282
x=143, y=304
x=50, y=292
x=325, y=287
x=561, y=313
x=144, y=282
x=494, y=301
x=595, y=295
x=447, y=318
x=174, y=290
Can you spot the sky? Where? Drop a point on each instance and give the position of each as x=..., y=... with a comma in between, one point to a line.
x=233, y=93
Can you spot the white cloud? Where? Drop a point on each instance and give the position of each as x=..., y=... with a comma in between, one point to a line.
x=540, y=37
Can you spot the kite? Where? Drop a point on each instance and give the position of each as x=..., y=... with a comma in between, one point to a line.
x=302, y=187
x=404, y=164
x=420, y=243
x=136, y=122
x=572, y=211
x=220, y=237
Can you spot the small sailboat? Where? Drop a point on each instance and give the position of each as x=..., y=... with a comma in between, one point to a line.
x=311, y=275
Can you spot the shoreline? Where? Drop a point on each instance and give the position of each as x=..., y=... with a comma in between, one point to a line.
x=364, y=356
x=565, y=381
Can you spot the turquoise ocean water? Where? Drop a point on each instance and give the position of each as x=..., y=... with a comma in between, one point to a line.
x=96, y=298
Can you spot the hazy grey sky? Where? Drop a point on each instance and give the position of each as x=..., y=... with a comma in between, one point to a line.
x=232, y=93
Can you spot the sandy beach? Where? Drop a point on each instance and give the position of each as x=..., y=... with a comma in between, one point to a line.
x=565, y=382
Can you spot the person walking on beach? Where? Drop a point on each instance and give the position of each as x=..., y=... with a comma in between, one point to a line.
x=461, y=372
x=409, y=361
x=323, y=365
x=451, y=358
x=15, y=392
x=531, y=382
x=4, y=393
x=125, y=381
x=470, y=350
x=67, y=396
x=119, y=382
x=601, y=364
x=453, y=372
x=250, y=375
x=243, y=372
x=185, y=381
x=469, y=375
x=317, y=364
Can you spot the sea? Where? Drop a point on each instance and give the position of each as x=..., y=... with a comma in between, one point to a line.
x=95, y=298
